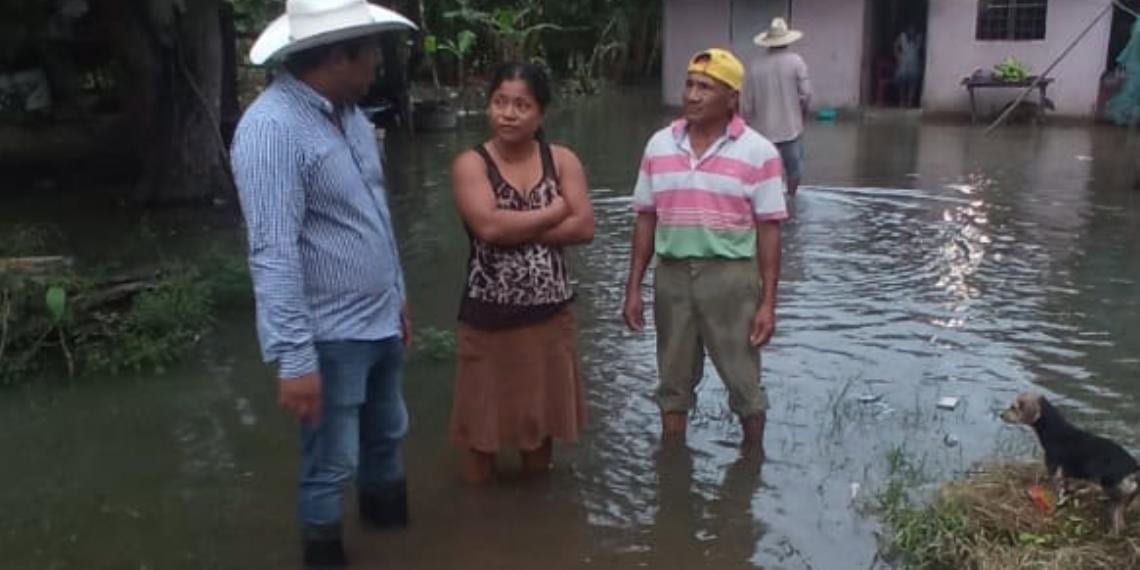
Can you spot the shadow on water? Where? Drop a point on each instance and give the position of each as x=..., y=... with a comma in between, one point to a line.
x=920, y=262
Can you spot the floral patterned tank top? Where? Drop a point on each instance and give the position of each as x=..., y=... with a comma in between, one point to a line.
x=522, y=284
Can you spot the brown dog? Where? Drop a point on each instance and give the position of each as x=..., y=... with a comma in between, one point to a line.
x=1074, y=453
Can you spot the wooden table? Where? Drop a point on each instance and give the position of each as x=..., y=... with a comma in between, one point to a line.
x=973, y=83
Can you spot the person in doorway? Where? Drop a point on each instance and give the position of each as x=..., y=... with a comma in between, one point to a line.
x=907, y=55
x=709, y=197
x=522, y=201
x=778, y=96
x=329, y=288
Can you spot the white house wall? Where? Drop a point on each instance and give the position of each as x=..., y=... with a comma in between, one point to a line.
x=693, y=25
x=953, y=53
x=832, y=48
x=835, y=38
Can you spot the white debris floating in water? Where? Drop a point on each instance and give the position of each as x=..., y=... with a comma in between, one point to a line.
x=947, y=403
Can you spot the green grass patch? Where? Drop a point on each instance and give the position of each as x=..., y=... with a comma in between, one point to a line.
x=433, y=344
x=986, y=521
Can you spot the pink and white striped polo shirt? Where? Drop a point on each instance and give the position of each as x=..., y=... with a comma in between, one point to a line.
x=708, y=207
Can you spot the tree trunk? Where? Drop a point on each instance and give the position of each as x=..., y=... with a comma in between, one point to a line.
x=230, y=107
x=396, y=65
x=646, y=39
x=172, y=51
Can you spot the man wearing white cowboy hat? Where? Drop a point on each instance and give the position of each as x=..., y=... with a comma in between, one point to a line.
x=331, y=305
x=778, y=96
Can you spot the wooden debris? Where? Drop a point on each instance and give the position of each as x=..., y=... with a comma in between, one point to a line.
x=37, y=265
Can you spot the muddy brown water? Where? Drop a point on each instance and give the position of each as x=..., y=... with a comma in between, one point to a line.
x=922, y=261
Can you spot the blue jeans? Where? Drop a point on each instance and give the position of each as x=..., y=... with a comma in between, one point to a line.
x=362, y=425
x=792, y=154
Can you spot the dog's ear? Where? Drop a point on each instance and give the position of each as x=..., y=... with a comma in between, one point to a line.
x=1029, y=406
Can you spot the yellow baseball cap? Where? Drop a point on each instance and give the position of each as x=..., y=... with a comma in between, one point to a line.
x=721, y=65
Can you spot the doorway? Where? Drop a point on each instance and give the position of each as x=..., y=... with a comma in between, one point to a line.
x=896, y=52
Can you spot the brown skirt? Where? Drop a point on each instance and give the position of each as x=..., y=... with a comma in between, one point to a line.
x=516, y=387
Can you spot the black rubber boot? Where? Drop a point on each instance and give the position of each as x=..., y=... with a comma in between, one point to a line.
x=384, y=506
x=324, y=548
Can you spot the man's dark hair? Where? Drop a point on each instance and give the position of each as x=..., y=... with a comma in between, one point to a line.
x=309, y=59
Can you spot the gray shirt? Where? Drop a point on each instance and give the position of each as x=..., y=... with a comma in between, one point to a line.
x=322, y=250
x=776, y=93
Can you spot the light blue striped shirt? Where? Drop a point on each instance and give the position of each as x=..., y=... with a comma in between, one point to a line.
x=322, y=250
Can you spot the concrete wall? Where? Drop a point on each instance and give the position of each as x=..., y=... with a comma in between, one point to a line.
x=690, y=25
x=833, y=47
x=953, y=53
x=693, y=25
x=835, y=34
x=751, y=17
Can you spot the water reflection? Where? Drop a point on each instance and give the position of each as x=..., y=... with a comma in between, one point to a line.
x=699, y=514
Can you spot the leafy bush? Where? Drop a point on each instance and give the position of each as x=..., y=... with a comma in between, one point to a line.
x=156, y=331
x=54, y=320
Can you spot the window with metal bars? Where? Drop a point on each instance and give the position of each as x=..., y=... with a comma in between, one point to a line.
x=1011, y=19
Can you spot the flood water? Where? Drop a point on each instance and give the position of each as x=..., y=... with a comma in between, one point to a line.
x=922, y=261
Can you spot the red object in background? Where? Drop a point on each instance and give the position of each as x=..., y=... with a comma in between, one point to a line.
x=1042, y=498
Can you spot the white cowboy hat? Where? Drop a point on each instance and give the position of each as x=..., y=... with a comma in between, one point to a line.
x=778, y=35
x=309, y=23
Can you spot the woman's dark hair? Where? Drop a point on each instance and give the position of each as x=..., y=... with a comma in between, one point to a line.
x=535, y=78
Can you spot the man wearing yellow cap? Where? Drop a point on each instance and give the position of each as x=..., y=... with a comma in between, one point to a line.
x=709, y=200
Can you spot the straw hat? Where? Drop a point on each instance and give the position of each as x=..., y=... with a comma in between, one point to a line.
x=310, y=23
x=778, y=35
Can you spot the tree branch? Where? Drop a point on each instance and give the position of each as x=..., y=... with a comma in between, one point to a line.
x=6, y=307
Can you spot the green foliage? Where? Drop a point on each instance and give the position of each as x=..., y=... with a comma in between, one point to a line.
x=227, y=276
x=460, y=47
x=514, y=30
x=464, y=43
x=56, y=301
x=585, y=72
x=434, y=344
x=921, y=535
x=582, y=43
x=1011, y=69
x=157, y=329
x=251, y=16
x=34, y=319
x=95, y=324
x=987, y=521
x=28, y=239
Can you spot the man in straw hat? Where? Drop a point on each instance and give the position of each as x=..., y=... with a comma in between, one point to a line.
x=709, y=197
x=778, y=96
x=331, y=305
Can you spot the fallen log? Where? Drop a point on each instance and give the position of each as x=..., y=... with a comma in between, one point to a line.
x=36, y=265
x=112, y=295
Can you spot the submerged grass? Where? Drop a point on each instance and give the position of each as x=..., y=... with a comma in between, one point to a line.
x=435, y=345
x=986, y=521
